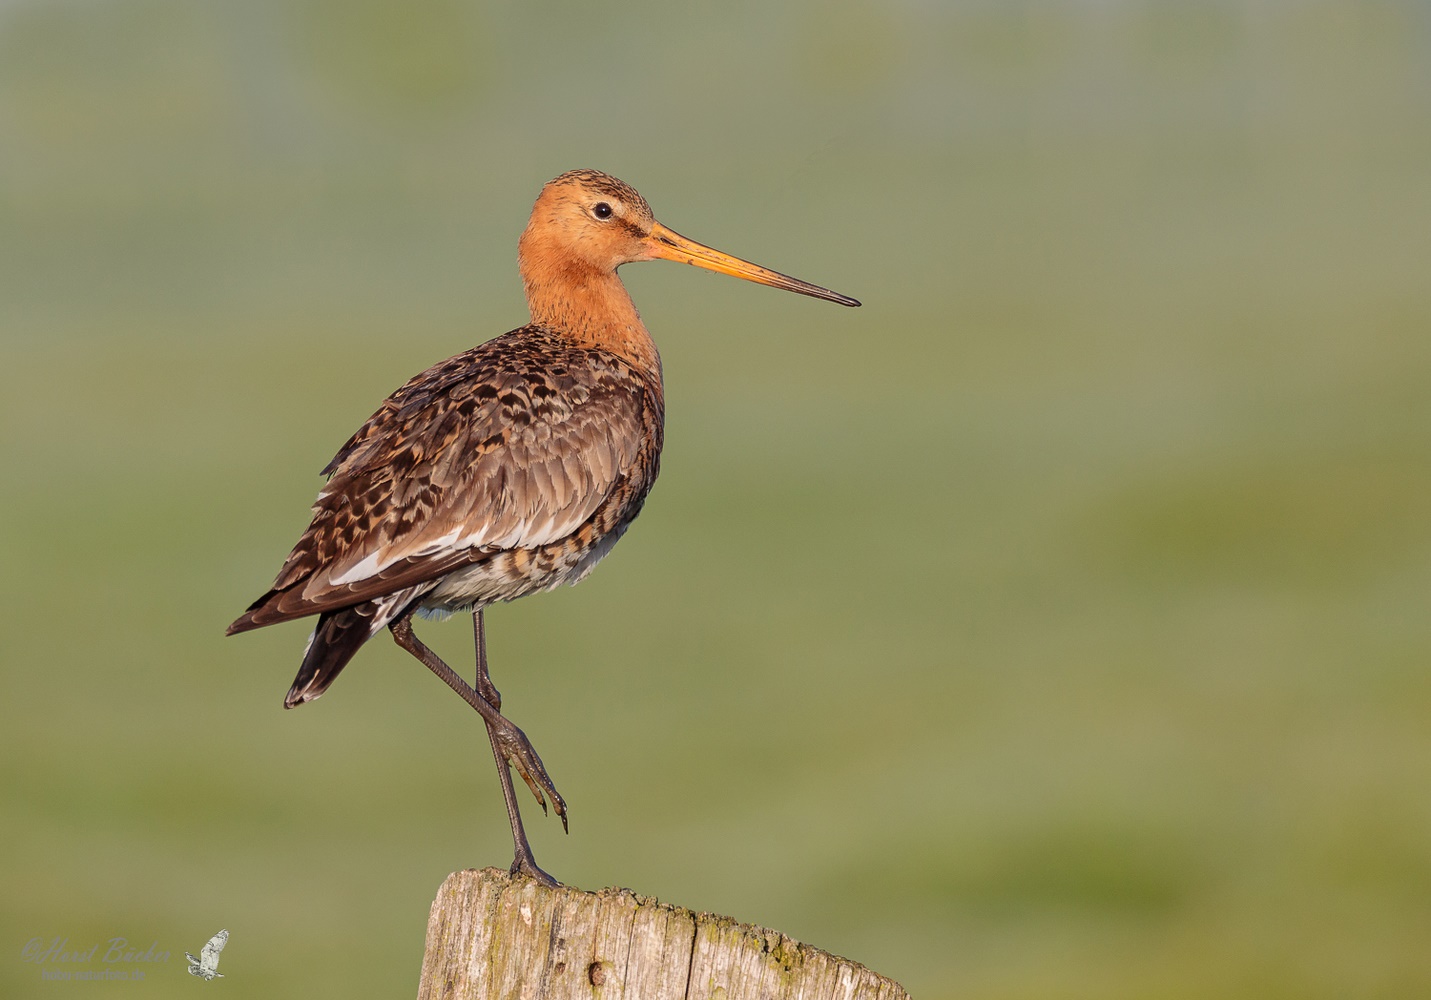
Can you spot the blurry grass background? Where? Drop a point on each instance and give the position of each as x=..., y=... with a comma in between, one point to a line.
x=1053, y=626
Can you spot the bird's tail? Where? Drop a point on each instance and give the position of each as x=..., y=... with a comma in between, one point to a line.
x=335, y=640
x=338, y=636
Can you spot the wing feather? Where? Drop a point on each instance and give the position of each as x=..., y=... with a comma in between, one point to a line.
x=209, y=955
x=514, y=444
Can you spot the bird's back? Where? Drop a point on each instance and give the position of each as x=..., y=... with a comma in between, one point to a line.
x=507, y=469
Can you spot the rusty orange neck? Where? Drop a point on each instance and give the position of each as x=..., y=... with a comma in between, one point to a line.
x=592, y=308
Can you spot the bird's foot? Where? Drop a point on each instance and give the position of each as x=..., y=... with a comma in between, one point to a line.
x=520, y=753
x=528, y=867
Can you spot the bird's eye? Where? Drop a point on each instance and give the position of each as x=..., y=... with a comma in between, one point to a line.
x=601, y=210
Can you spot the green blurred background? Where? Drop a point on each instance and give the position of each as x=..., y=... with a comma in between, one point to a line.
x=1053, y=626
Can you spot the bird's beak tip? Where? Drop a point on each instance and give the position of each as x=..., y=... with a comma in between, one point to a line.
x=665, y=244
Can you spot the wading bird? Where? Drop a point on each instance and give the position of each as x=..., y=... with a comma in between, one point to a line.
x=505, y=471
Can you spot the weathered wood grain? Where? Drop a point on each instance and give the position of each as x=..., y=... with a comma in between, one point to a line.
x=493, y=936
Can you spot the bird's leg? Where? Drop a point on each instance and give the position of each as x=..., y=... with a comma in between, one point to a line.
x=509, y=744
x=493, y=697
x=516, y=747
x=523, y=861
x=485, y=687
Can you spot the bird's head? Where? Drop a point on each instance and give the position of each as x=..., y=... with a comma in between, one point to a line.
x=586, y=221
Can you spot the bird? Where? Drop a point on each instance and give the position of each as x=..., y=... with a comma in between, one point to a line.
x=507, y=470
x=207, y=964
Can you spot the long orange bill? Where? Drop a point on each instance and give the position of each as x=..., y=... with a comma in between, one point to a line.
x=668, y=244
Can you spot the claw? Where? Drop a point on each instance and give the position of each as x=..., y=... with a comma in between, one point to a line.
x=521, y=755
x=528, y=867
x=541, y=800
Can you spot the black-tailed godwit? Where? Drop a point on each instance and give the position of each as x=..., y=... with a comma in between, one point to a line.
x=510, y=469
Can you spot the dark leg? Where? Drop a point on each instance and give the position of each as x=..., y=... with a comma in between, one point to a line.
x=485, y=687
x=523, y=862
x=493, y=697
x=509, y=745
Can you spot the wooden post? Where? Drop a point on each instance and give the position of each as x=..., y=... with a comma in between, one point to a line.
x=492, y=936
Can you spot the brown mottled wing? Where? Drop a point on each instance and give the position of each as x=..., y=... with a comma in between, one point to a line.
x=511, y=445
